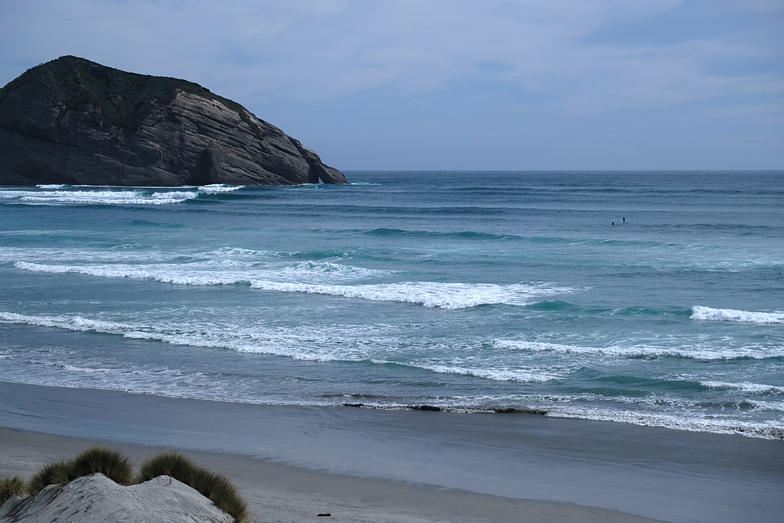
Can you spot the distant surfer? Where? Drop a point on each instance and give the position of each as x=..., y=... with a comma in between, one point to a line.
x=624, y=219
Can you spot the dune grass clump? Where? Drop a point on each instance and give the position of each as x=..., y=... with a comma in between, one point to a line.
x=11, y=486
x=108, y=462
x=57, y=473
x=112, y=464
x=171, y=464
x=211, y=485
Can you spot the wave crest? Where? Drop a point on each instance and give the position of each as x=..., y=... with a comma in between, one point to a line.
x=56, y=194
x=642, y=351
x=709, y=314
x=97, y=197
x=290, y=279
x=219, y=188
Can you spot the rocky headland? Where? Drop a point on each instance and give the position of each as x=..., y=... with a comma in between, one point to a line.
x=72, y=121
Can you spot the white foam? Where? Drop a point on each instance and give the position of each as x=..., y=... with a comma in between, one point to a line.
x=216, y=271
x=645, y=351
x=507, y=374
x=219, y=188
x=310, y=271
x=152, y=272
x=339, y=343
x=99, y=197
x=710, y=314
x=239, y=251
x=344, y=343
x=74, y=368
x=278, y=278
x=118, y=253
x=358, y=343
x=691, y=422
x=51, y=186
x=753, y=388
x=288, y=342
x=75, y=323
x=173, y=196
x=429, y=294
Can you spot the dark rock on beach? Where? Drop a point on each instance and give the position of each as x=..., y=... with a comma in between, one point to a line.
x=429, y=408
x=76, y=122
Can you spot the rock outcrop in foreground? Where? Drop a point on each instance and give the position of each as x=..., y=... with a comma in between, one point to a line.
x=76, y=122
x=97, y=498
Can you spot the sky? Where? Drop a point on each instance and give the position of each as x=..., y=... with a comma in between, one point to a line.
x=456, y=84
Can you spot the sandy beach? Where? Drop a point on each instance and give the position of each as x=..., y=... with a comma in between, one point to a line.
x=292, y=463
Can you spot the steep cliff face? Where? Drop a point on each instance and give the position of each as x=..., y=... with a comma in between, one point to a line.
x=77, y=122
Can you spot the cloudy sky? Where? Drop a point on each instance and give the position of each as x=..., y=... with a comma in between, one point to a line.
x=456, y=84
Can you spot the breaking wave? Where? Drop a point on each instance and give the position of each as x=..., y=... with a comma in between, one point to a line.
x=710, y=314
x=279, y=279
x=53, y=194
x=219, y=188
x=211, y=272
x=429, y=294
x=703, y=353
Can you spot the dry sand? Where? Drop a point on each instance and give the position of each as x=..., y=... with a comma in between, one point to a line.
x=292, y=463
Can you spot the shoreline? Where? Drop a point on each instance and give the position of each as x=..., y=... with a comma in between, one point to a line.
x=381, y=465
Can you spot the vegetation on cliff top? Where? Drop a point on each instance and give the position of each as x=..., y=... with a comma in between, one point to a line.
x=118, y=98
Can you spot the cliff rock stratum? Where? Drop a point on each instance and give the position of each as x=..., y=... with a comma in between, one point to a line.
x=72, y=121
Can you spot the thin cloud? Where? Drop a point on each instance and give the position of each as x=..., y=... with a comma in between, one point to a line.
x=568, y=59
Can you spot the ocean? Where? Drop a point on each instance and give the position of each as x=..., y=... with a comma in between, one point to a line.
x=651, y=298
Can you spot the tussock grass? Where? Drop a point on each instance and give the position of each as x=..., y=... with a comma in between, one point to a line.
x=108, y=462
x=11, y=486
x=57, y=473
x=211, y=485
x=112, y=464
x=171, y=464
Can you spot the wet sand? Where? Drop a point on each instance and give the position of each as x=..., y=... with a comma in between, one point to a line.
x=292, y=463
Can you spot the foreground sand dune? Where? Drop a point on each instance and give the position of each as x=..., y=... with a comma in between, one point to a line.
x=98, y=498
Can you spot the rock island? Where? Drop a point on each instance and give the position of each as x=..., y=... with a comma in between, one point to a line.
x=73, y=121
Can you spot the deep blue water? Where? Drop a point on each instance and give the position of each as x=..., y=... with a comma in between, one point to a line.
x=462, y=290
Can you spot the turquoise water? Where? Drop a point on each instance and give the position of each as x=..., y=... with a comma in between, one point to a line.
x=462, y=291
